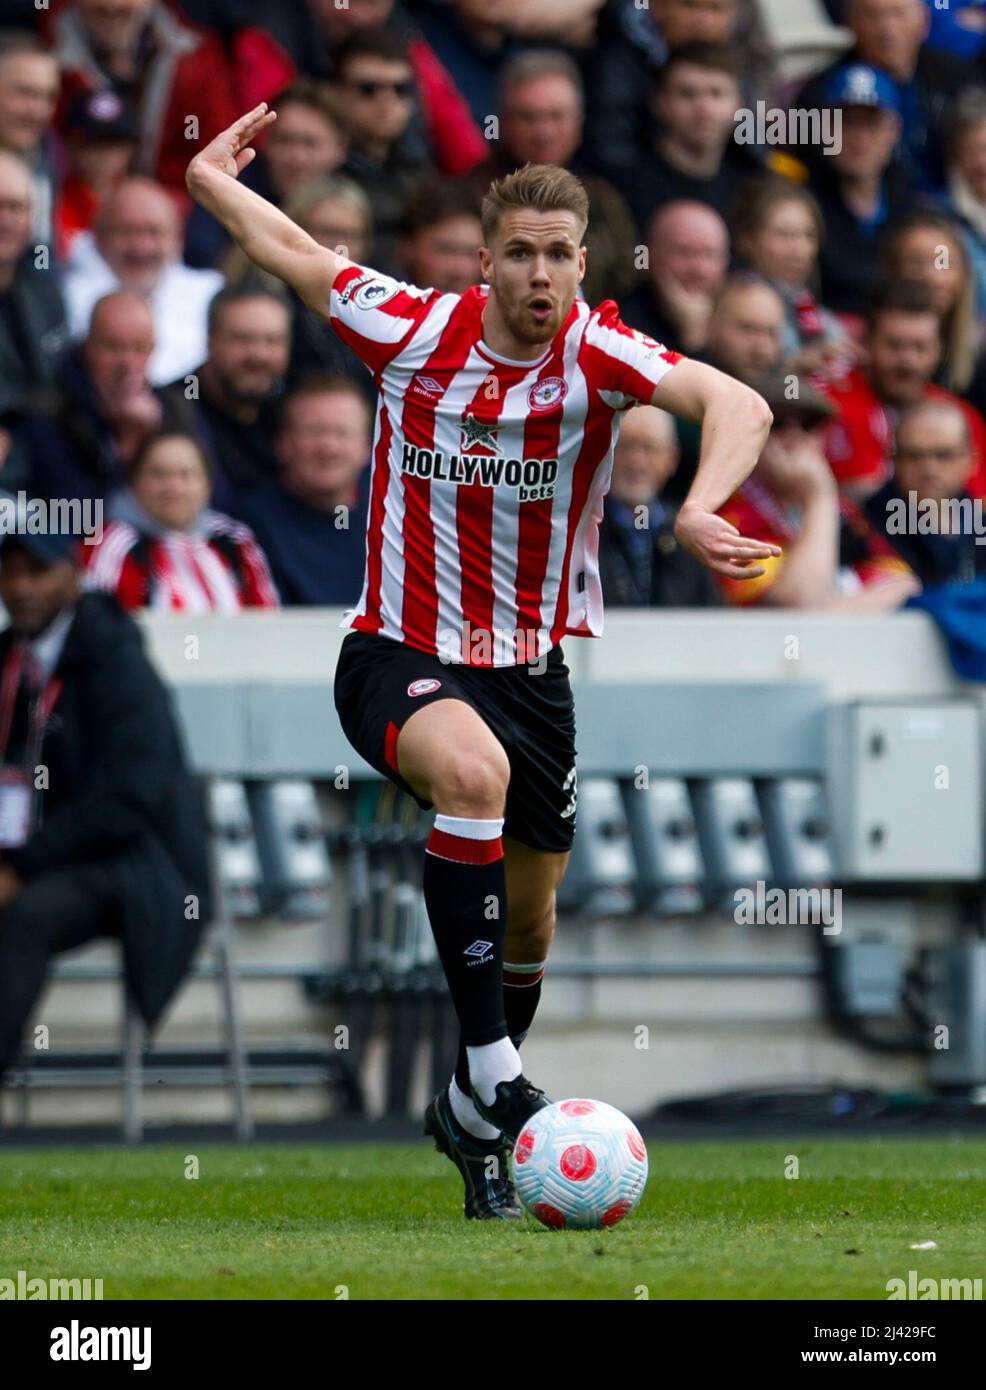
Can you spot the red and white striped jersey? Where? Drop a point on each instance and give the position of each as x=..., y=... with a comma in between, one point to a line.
x=488, y=475
x=218, y=569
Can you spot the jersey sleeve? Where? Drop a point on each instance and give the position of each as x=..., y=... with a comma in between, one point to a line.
x=376, y=315
x=626, y=365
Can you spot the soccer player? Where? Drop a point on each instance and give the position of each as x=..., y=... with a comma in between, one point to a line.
x=498, y=412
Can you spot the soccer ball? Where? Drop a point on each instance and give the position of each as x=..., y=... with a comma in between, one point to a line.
x=580, y=1164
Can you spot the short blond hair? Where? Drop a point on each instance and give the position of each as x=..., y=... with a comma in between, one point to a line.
x=543, y=187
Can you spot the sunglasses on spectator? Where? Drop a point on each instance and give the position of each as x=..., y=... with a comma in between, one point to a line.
x=369, y=87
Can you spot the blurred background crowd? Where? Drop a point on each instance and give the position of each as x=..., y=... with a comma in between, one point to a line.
x=839, y=265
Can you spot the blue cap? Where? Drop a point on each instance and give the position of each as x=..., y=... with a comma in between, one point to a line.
x=857, y=84
x=19, y=531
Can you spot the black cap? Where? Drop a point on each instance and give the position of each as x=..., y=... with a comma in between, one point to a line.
x=19, y=530
x=102, y=115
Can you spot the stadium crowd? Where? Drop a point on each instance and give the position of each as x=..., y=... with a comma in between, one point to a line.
x=227, y=431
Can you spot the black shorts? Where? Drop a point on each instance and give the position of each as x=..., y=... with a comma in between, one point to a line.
x=380, y=683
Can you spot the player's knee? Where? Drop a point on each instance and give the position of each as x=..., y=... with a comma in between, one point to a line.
x=474, y=784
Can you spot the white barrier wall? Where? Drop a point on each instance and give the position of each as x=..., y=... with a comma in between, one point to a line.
x=851, y=657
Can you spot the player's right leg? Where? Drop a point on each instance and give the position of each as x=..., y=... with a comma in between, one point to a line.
x=409, y=716
x=450, y=757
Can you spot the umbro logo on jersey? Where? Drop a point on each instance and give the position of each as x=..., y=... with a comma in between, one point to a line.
x=544, y=394
x=426, y=386
x=480, y=950
x=424, y=687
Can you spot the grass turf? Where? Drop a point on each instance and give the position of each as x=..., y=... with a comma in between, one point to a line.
x=718, y=1220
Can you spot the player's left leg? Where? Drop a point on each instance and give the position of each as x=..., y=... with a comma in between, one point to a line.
x=533, y=877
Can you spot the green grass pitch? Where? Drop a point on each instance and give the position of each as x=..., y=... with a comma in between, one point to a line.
x=718, y=1220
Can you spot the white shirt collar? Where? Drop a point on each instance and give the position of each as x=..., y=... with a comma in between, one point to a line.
x=47, y=646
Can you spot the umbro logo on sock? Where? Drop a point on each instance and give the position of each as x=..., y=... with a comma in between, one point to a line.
x=479, y=949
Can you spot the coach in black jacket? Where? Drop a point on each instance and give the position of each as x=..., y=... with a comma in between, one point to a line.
x=116, y=841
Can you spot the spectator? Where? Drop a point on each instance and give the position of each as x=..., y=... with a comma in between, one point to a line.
x=442, y=237
x=921, y=509
x=166, y=549
x=891, y=34
x=746, y=328
x=441, y=130
x=304, y=145
x=641, y=564
x=239, y=385
x=373, y=85
x=311, y=520
x=860, y=187
x=100, y=143
x=965, y=196
x=33, y=330
x=171, y=71
x=542, y=121
x=28, y=97
x=137, y=247
x=76, y=437
x=778, y=231
x=903, y=348
x=791, y=501
x=927, y=247
x=959, y=29
x=634, y=43
x=692, y=154
x=473, y=39
x=687, y=257
x=337, y=214
x=114, y=843
x=745, y=331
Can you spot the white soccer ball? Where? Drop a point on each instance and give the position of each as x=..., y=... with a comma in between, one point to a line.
x=580, y=1164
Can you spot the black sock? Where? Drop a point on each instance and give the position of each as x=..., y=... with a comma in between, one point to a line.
x=465, y=892
x=520, y=1003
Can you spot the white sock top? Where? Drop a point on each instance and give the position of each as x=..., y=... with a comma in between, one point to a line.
x=470, y=829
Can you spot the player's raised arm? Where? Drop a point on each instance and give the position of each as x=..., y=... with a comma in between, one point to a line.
x=271, y=240
x=735, y=424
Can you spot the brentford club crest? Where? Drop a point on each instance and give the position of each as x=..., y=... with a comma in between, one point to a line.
x=544, y=394
x=424, y=687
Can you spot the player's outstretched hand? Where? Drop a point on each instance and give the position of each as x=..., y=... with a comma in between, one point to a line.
x=230, y=152
x=718, y=544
